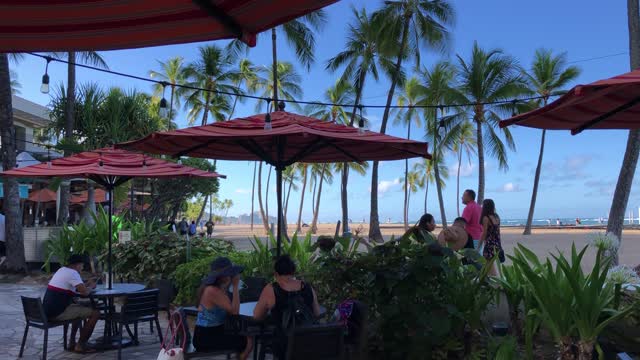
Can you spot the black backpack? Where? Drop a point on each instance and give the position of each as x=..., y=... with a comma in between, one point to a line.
x=296, y=312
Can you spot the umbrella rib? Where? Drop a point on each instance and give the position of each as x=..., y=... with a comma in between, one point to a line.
x=219, y=14
x=308, y=150
x=196, y=147
x=255, y=149
x=345, y=152
x=605, y=116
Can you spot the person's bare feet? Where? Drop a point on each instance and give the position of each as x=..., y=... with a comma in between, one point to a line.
x=83, y=349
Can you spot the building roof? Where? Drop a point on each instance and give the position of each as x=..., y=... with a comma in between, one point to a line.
x=29, y=112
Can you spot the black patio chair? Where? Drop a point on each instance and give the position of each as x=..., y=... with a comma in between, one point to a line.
x=166, y=295
x=357, y=332
x=35, y=317
x=141, y=306
x=316, y=342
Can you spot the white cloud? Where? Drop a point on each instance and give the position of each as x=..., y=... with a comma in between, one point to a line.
x=509, y=187
x=243, y=191
x=387, y=185
x=466, y=169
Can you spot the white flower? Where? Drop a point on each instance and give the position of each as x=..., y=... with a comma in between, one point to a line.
x=622, y=274
x=604, y=241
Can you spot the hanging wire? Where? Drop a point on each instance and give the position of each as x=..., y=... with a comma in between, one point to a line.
x=302, y=102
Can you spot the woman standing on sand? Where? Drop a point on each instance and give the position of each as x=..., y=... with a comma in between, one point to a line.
x=490, y=233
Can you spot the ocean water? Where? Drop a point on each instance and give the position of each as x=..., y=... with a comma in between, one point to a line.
x=588, y=221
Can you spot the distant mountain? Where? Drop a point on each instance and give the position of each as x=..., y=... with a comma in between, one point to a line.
x=245, y=219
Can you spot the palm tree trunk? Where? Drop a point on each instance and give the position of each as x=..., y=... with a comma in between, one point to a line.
x=65, y=195
x=274, y=53
x=90, y=207
x=266, y=193
x=406, y=188
x=630, y=161
x=426, y=193
x=304, y=188
x=286, y=209
x=253, y=192
x=15, y=261
x=536, y=181
x=205, y=115
x=314, y=224
x=345, y=166
x=204, y=207
x=458, y=181
x=233, y=109
x=374, y=222
x=480, y=196
x=436, y=172
x=173, y=89
x=265, y=220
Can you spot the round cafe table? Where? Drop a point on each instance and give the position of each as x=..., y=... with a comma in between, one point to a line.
x=111, y=338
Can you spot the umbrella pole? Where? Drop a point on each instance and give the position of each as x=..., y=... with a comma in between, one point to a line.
x=279, y=195
x=110, y=235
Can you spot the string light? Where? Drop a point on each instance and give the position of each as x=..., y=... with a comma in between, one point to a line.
x=361, y=129
x=44, y=88
x=267, y=117
x=163, y=103
x=238, y=93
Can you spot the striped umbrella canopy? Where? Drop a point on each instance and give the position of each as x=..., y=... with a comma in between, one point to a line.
x=281, y=139
x=83, y=25
x=612, y=103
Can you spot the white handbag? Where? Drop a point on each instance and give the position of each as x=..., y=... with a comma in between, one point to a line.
x=170, y=350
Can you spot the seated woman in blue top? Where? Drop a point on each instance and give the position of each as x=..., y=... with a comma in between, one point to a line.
x=214, y=305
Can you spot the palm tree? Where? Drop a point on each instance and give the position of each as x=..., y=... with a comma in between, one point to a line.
x=304, y=172
x=212, y=71
x=15, y=260
x=630, y=160
x=321, y=173
x=548, y=75
x=412, y=183
x=411, y=95
x=438, y=84
x=340, y=93
x=15, y=84
x=245, y=75
x=288, y=83
x=289, y=175
x=363, y=52
x=463, y=140
x=412, y=23
x=486, y=77
x=426, y=168
x=87, y=57
x=172, y=72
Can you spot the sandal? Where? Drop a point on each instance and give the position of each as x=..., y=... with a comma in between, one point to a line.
x=83, y=350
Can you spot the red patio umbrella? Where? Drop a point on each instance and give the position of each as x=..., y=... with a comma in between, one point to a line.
x=43, y=195
x=109, y=167
x=99, y=195
x=282, y=140
x=65, y=25
x=612, y=103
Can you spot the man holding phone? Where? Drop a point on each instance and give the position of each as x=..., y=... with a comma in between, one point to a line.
x=58, y=303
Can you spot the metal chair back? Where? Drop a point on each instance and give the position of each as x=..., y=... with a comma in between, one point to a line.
x=33, y=310
x=140, y=304
x=316, y=342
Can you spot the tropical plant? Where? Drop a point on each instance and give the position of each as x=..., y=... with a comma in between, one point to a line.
x=212, y=71
x=246, y=75
x=489, y=76
x=623, y=274
x=320, y=173
x=304, y=173
x=411, y=184
x=15, y=84
x=363, y=52
x=620, y=199
x=549, y=74
x=412, y=24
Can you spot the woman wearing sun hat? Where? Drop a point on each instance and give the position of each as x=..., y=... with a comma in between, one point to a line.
x=213, y=307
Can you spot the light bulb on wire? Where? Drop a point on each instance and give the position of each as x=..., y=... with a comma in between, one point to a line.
x=44, y=88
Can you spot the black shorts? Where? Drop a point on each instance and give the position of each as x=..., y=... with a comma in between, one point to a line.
x=215, y=339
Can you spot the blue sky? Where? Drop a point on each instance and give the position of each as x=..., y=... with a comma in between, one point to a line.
x=579, y=172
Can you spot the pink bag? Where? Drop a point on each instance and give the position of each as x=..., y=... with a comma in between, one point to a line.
x=169, y=350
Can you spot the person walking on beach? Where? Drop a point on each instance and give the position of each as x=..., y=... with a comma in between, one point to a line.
x=491, y=234
x=183, y=226
x=209, y=225
x=471, y=214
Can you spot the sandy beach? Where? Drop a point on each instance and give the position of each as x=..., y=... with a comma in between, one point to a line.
x=542, y=241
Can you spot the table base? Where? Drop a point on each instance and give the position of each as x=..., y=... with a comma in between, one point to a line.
x=102, y=345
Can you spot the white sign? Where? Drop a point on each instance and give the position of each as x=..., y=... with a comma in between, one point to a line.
x=124, y=236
